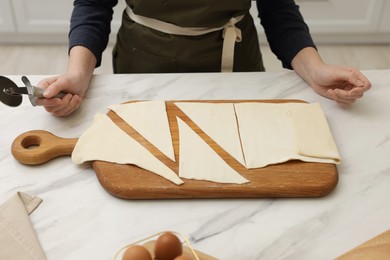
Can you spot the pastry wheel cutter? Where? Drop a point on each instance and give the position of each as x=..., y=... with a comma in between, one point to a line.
x=11, y=94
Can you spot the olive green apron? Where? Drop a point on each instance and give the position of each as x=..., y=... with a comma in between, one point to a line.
x=140, y=49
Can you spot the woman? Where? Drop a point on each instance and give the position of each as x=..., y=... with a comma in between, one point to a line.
x=193, y=36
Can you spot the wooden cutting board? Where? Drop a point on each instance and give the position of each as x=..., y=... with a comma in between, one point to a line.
x=377, y=248
x=290, y=179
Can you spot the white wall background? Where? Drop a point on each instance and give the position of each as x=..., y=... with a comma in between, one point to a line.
x=330, y=21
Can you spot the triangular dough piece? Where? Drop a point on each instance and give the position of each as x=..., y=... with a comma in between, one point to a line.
x=148, y=118
x=200, y=162
x=105, y=141
x=268, y=135
x=217, y=120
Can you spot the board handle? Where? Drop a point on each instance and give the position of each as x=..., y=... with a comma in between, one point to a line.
x=38, y=146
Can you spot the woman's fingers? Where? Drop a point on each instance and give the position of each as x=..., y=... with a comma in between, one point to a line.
x=349, y=84
x=342, y=96
x=47, y=82
x=357, y=82
x=60, y=107
x=74, y=103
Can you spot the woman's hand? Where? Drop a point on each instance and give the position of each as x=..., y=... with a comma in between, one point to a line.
x=75, y=83
x=342, y=84
x=74, y=86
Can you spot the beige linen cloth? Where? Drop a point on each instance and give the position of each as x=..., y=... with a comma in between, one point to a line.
x=17, y=236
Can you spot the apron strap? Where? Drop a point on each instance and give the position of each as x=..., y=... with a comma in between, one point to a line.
x=231, y=34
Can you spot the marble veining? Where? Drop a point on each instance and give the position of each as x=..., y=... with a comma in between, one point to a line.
x=78, y=219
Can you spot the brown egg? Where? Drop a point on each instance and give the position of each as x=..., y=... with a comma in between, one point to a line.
x=183, y=257
x=167, y=247
x=136, y=253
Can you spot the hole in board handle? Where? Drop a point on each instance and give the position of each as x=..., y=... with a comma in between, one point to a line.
x=31, y=142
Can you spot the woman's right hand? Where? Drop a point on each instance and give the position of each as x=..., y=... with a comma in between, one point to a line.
x=74, y=83
x=74, y=86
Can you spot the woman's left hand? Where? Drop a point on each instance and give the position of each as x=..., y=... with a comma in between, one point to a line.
x=342, y=84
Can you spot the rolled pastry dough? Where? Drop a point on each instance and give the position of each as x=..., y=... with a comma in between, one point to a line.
x=270, y=136
x=149, y=119
x=105, y=141
x=218, y=121
x=200, y=162
x=313, y=137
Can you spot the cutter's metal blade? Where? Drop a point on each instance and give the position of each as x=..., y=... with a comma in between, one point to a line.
x=30, y=90
x=11, y=94
x=17, y=91
x=6, y=97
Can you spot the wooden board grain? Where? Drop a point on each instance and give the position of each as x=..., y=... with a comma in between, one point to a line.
x=377, y=248
x=290, y=179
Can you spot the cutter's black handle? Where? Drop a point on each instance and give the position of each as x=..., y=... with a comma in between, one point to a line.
x=38, y=93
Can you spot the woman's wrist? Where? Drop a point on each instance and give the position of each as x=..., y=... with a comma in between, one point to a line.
x=307, y=63
x=81, y=63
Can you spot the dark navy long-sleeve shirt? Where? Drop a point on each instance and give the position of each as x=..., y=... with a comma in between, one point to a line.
x=283, y=24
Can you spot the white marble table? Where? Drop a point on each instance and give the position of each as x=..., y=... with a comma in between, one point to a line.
x=78, y=219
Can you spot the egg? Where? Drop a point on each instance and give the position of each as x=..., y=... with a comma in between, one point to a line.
x=136, y=253
x=167, y=247
x=182, y=257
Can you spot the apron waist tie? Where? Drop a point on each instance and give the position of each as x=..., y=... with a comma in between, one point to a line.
x=231, y=34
